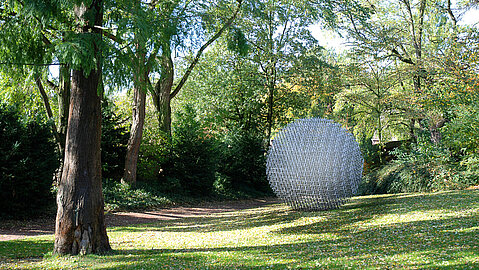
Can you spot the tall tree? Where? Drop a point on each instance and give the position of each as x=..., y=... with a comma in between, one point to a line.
x=165, y=90
x=80, y=226
x=80, y=223
x=279, y=74
x=136, y=43
x=142, y=65
x=370, y=86
x=159, y=27
x=277, y=32
x=411, y=40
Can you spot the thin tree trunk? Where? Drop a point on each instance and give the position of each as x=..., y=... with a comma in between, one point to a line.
x=80, y=223
x=46, y=102
x=136, y=132
x=436, y=135
x=162, y=93
x=63, y=102
x=142, y=66
x=412, y=134
x=380, y=137
x=269, y=113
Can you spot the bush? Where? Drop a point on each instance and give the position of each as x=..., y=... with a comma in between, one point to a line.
x=114, y=140
x=371, y=154
x=154, y=152
x=28, y=162
x=122, y=197
x=243, y=164
x=421, y=167
x=192, y=160
x=461, y=135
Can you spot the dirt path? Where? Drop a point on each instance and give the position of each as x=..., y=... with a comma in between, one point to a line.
x=14, y=229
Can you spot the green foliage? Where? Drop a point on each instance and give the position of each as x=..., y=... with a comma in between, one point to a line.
x=153, y=153
x=17, y=88
x=121, y=197
x=371, y=154
x=243, y=164
x=195, y=162
x=80, y=51
x=423, y=167
x=21, y=42
x=225, y=90
x=462, y=132
x=114, y=140
x=27, y=164
x=470, y=173
x=237, y=42
x=461, y=135
x=193, y=156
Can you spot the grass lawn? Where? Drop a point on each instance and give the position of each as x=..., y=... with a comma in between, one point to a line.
x=411, y=231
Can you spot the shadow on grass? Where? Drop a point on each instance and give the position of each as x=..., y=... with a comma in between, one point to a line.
x=418, y=244
x=421, y=244
x=25, y=248
x=357, y=210
x=440, y=242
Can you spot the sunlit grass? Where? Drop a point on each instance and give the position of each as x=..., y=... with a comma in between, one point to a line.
x=412, y=231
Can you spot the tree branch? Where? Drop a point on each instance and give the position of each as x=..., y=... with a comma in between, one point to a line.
x=401, y=58
x=46, y=102
x=52, y=85
x=200, y=52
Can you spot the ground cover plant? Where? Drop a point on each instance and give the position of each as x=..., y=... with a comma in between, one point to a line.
x=410, y=230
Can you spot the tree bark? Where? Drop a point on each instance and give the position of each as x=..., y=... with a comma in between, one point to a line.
x=80, y=223
x=142, y=66
x=162, y=93
x=270, y=110
x=136, y=133
x=436, y=135
x=63, y=102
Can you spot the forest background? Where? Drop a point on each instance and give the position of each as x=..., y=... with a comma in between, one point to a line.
x=194, y=91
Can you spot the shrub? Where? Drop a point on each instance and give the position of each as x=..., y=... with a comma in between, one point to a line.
x=121, y=197
x=461, y=135
x=421, y=167
x=243, y=164
x=114, y=140
x=470, y=166
x=154, y=152
x=371, y=154
x=193, y=156
x=28, y=162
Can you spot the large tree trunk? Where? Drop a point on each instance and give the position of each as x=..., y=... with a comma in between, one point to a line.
x=136, y=132
x=80, y=223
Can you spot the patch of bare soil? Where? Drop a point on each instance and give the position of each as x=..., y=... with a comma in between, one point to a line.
x=14, y=229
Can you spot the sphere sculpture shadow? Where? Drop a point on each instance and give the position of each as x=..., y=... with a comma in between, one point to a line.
x=314, y=164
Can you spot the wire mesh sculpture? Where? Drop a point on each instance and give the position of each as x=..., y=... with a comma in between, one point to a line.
x=314, y=164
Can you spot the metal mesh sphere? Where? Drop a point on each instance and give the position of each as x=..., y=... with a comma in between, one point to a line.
x=314, y=164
